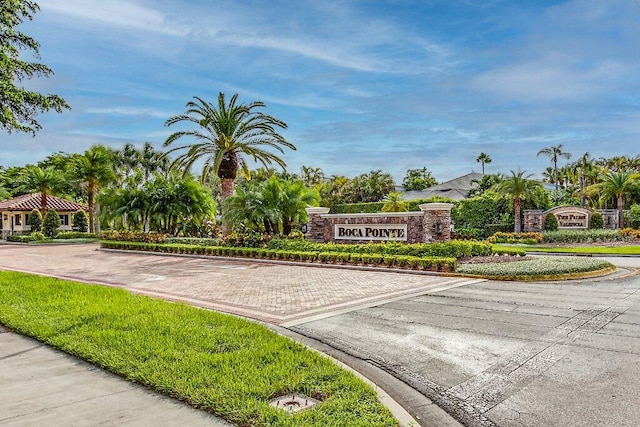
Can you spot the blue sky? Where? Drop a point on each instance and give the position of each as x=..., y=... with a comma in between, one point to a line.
x=363, y=85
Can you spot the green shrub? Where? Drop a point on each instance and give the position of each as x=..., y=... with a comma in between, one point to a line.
x=550, y=223
x=582, y=236
x=51, y=224
x=38, y=236
x=130, y=236
x=491, y=229
x=76, y=235
x=597, y=222
x=80, y=222
x=468, y=234
x=530, y=237
x=454, y=248
x=35, y=221
x=20, y=238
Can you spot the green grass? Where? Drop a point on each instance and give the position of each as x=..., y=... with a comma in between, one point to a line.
x=602, y=250
x=537, y=268
x=225, y=365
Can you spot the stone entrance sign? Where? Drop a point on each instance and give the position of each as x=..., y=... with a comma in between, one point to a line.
x=396, y=232
x=569, y=218
x=431, y=224
x=572, y=219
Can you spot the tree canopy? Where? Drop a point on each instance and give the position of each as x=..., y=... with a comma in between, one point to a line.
x=19, y=106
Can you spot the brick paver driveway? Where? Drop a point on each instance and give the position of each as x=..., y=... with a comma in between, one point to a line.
x=270, y=292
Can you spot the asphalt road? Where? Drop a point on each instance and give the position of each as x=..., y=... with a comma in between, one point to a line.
x=507, y=353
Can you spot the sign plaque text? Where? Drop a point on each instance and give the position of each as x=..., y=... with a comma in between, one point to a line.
x=367, y=232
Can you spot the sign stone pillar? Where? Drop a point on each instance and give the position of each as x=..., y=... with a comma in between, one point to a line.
x=533, y=219
x=436, y=222
x=315, y=224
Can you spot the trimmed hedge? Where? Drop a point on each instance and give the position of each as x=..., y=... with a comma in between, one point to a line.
x=582, y=236
x=23, y=238
x=529, y=238
x=453, y=249
x=444, y=264
x=75, y=235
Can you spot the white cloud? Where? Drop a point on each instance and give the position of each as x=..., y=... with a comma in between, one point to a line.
x=114, y=12
x=130, y=111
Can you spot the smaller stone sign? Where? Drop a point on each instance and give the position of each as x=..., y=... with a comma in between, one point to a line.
x=367, y=232
x=572, y=219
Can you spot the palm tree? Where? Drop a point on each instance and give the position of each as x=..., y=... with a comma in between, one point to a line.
x=93, y=169
x=394, y=202
x=45, y=181
x=519, y=188
x=585, y=167
x=483, y=158
x=617, y=185
x=152, y=161
x=554, y=152
x=225, y=134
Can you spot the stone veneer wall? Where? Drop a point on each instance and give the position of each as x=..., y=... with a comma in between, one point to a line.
x=433, y=223
x=534, y=218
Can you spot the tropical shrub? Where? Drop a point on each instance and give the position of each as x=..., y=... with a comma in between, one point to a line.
x=453, y=249
x=76, y=235
x=51, y=224
x=581, y=236
x=530, y=237
x=130, y=236
x=597, y=222
x=491, y=229
x=632, y=217
x=445, y=264
x=20, y=238
x=630, y=233
x=468, y=234
x=38, y=236
x=550, y=223
x=80, y=222
x=35, y=221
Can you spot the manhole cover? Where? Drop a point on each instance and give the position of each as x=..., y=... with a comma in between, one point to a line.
x=293, y=402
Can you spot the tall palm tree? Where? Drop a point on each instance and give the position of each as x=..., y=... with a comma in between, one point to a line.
x=93, y=169
x=585, y=168
x=519, y=188
x=152, y=161
x=45, y=181
x=554, y=152
x=617, y=185
x=483, y=158
x=224, y=135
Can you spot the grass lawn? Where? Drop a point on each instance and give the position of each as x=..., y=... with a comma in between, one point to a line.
x=603, y=250
x=538, y=268
x=225, y=365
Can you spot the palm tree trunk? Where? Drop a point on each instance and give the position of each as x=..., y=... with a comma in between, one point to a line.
x=91, y=210
x=516, y=214
x=227, y=190
x=620, y=202
x=43, y=203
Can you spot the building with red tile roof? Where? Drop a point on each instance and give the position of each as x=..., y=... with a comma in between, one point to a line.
x=14, y=212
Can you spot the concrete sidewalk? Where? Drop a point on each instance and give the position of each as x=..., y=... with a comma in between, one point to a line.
x=41, y=386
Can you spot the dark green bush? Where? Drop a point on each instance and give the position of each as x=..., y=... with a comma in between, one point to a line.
x=130, y=236
x=51, y=224
x=35, y=220
x=468, y=234
x=597, y=222
x=550, y=223
x=80, y=222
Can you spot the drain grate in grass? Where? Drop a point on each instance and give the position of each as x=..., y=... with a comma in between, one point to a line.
x=222, y=364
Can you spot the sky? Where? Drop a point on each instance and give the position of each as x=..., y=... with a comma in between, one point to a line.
x=362, y=85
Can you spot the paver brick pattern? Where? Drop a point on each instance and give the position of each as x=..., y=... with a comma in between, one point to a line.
x=270, y=292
